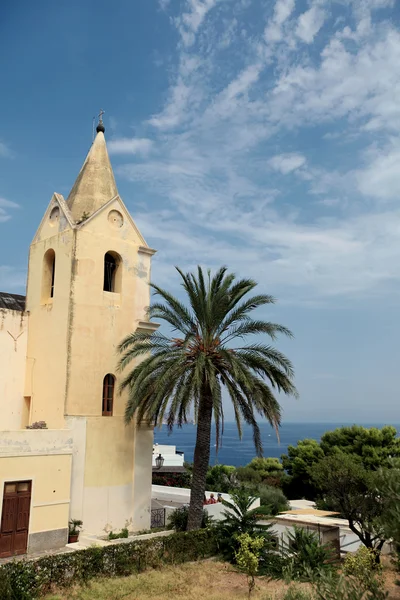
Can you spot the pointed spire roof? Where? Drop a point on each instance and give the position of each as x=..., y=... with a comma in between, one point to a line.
x=95, y=184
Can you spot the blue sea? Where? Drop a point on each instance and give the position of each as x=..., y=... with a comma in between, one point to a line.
x=238, y=452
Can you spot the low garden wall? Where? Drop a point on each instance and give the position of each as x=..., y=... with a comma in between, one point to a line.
x=31, y=579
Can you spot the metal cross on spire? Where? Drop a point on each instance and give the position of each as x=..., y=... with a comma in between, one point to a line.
x=100, y=125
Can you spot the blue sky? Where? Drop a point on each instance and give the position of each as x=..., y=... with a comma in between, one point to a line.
x=260, y=135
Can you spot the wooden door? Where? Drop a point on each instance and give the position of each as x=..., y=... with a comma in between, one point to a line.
x=15, y=518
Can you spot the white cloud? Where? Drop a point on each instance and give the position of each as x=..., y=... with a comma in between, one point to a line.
x=286, y=163
x=381, y=176
x=130, y=146
x=4, y=212
x=282, y=11
x=321, y=234
x=309, y=23
x=5, y=151
x=190, y=21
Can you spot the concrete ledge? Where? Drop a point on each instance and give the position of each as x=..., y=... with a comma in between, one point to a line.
x=47, y=540
x=35, y=442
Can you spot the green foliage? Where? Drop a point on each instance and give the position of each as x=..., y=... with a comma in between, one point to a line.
x=221, y=478
x=371, y=446
x=247, y=475
x=182, y=480
x=306, y=555
x=248, y=556
x=362, y=566
x=374, y=447
x=74, y=526
x=273, y=498
x=28, y=580
x=388, y=487
x=124, y=533
x=208, y=353
x=178, y=519
x=295, y=593
x=330, y=586
x=350, y=489
x=239, y=518
x=297, y=464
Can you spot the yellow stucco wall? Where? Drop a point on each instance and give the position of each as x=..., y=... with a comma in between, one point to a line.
x=47, y=349
x=51, y=478
x=13, y=343
x=100, y=320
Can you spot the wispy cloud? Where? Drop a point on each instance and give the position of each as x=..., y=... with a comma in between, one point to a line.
x=286, y=163
x=130, y=146
x=231, y=132
x=5, y=151
x=5, y=205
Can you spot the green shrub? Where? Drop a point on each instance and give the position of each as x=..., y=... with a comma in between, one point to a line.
x=295, y=593
x=306, y=555
x=273, y=498
x=248, y=557
x=362, y=566
x=330, y=586
x=179, y=517
x=239, y=518
x=124, y=533
x=248, y=475
x=31, y=579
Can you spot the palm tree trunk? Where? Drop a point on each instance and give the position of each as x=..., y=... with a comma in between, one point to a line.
x=201, y=461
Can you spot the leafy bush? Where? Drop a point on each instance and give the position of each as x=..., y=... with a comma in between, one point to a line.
x=295, y=593
x=239, y=518
x=124, y=533
x=248, y=475
x=182, y=480
x=179, y=518
x=221, y=478
x=330, y=586
x=273, y=498
x=28, y=579
x=248, y=557
x=306, y=555
x=362, y=566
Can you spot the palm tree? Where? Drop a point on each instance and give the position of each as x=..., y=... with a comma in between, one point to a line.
x=180, y=374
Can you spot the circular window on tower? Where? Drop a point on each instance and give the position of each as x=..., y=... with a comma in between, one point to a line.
x=115, y=219
x=54, y=216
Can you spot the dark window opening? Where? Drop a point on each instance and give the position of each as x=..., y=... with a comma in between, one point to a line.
x=53, y=270
x=108, y=395
x=48, y=277
x=110, y=267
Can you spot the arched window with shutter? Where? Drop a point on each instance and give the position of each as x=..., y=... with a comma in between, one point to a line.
x=108, y=395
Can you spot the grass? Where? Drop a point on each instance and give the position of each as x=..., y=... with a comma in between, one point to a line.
x=204, y=580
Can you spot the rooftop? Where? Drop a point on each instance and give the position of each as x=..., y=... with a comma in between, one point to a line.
x=12, y=301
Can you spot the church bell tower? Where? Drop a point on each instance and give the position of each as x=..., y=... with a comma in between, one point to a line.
x=88, y=287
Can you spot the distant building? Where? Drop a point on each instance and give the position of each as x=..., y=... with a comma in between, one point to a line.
x=87, y=288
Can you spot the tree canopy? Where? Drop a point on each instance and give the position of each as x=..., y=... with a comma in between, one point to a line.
x=207, y=352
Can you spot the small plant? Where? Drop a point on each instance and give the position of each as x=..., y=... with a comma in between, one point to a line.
x=74, y=527
x=295, y=593
x=179, y=517
x=124, y=533
x=248, y=557
x=37, y=425
x=84, y=217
